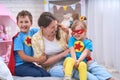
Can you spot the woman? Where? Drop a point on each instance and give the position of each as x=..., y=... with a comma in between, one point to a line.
x=51, y=42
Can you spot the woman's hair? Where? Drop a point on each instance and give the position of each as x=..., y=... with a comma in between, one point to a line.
x=77, y=22
x=45, y=19
x=25, y=13
x=58, y=32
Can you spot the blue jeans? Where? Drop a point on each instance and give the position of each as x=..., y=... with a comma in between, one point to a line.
x=30, y=69
x=98, y=71
x=95, y=72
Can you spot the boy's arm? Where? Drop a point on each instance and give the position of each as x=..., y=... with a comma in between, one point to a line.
x=27, y=58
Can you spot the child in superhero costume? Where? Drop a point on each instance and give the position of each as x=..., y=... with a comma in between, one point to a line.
x=79, y=47
x=21, y=59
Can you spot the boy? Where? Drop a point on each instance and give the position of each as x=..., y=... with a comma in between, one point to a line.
x=22, y=49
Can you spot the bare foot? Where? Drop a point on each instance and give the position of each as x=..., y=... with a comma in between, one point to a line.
x=111, y=78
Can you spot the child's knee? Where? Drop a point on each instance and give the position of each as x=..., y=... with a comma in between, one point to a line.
x=69, y=59
x=82, y=65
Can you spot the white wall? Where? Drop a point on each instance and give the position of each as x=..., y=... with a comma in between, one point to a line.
x=103, y=28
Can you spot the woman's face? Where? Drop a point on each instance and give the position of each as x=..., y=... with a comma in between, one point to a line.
x=51, y=28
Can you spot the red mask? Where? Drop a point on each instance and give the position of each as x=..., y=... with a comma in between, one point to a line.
x=80, y=31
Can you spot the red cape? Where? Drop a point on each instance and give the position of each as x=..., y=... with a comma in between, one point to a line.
x=11, y=63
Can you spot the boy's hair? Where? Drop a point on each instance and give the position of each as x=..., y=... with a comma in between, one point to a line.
x=25, y=13
x=77, y=22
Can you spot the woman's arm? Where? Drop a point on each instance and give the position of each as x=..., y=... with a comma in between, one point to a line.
x=54, y=59
x=27, y=58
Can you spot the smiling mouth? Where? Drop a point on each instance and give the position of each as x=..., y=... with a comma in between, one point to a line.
x=24, y=27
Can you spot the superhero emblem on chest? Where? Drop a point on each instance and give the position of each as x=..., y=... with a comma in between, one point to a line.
x=28, y=41
x=78, y=46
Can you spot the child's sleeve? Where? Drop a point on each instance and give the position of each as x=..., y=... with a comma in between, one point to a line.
x=18, y=45
x=34, y=30
x=89, y=45
x=71, y=42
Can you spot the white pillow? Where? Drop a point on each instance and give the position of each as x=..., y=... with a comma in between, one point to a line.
x=4, y=71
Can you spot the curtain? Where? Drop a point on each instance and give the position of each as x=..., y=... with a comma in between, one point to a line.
x=103, y=29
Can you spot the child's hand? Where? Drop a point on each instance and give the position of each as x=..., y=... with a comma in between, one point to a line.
x=76, y=65
x=77, y=62
x=42, y=58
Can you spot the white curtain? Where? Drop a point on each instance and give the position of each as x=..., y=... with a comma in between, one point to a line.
x=104, y=30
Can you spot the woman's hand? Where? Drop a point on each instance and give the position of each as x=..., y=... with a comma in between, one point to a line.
x=66, y=52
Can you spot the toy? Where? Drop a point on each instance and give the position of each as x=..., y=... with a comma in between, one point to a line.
x=67, y=21
x=3, y=35
x=5, y=44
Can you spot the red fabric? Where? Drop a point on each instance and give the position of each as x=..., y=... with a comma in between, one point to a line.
x=11, y=64
x=89, y=58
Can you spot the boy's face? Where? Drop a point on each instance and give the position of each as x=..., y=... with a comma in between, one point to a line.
x=24, y=23
x=79, y=32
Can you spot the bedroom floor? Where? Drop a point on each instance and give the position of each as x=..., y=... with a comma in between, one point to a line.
x=116, y=75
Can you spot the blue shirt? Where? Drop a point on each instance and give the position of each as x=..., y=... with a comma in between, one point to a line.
x=23, y=42
x=79, y=46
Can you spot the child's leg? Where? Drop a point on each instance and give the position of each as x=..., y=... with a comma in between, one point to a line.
x=89, y=75
x=30, y=69
x=98, y=71
x=82, y=68
x=68, y=66
x=56, y=71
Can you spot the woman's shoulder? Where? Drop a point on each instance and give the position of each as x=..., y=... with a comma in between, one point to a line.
x=37, y=35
